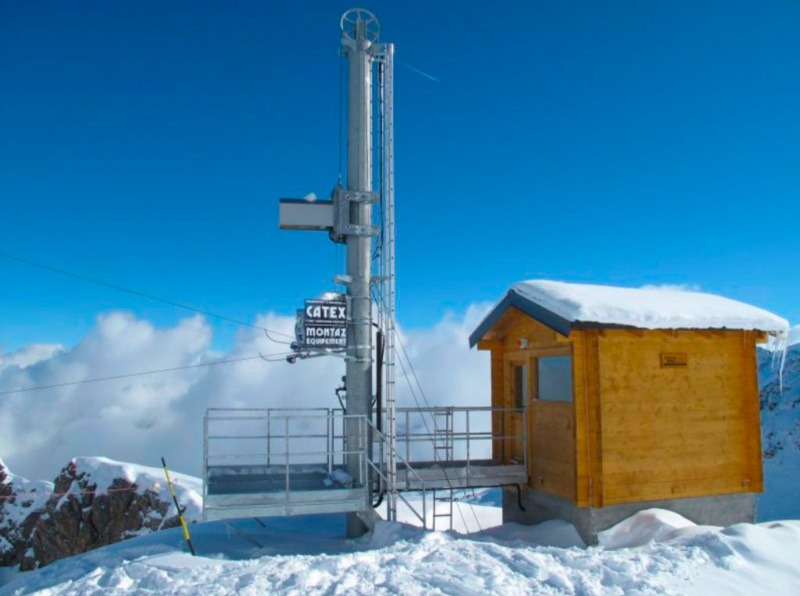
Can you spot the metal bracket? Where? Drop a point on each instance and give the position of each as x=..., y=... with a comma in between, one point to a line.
x=369, y=230
x=361, y=196
x=359, y=347
x=343, y=280
x=342, y=227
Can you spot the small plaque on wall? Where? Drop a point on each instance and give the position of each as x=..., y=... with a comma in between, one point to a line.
x=673, y=359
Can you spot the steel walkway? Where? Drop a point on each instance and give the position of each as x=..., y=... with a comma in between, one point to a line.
x=278, y=462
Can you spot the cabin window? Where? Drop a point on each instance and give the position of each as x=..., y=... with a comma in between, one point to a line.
x=554, y=378
x=520, y=372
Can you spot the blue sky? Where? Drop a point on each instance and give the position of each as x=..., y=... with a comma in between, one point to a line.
x=147, y=143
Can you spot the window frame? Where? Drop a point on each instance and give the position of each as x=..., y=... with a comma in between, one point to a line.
x=536, y=395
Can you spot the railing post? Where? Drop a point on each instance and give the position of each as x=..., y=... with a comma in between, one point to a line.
x=425, y=507
x=205, y=454
x=344, y=443
x=364, y=455
x=329, y=440
x=269, y=438
x=503, y=436
x=468, y=458
x=286, y=456
x=408, y=444
x=525, y=414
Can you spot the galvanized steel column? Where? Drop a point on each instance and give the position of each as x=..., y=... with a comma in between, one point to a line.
x=357, y=45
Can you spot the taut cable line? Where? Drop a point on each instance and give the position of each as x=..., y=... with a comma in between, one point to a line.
x=142, y=373
x=119, y=288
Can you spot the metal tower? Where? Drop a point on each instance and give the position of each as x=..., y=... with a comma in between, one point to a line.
x=348, y=218
x=274, y=478
x=360, y=31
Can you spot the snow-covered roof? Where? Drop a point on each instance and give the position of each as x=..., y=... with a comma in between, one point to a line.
x=566, y=306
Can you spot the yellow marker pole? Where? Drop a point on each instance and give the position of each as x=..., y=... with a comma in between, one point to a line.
x=178, y=507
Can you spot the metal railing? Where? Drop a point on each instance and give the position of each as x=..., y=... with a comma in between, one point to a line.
x=379, y=465
x=271, y=431
x=471, y=434
x=302, y=446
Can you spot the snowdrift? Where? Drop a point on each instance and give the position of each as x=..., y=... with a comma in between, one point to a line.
x=653, y=552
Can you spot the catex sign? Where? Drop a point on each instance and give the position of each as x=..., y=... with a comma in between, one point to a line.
x=324, y=323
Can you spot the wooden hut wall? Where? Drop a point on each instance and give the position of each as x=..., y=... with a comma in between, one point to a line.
x=668, y=431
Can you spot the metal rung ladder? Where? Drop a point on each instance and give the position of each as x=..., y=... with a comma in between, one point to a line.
x=443, y=452
x=443, y=435
x=448, y=513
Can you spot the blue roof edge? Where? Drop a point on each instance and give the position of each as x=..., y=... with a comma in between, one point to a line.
x=537, y=312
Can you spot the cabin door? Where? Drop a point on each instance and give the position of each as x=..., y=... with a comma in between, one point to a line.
x=517, y=394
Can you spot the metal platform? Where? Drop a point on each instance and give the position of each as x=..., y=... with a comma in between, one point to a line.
x=260, y=491
x=270, y=462
x=480, y=473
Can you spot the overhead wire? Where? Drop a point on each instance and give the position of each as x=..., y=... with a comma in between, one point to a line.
x=120, y=288
x=140, y=373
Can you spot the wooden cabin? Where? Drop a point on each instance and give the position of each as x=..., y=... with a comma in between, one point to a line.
x=625, y=399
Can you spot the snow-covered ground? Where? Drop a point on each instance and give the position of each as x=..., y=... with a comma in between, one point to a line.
x=653, y=552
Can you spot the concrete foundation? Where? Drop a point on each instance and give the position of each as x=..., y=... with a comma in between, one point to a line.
x=717, y=510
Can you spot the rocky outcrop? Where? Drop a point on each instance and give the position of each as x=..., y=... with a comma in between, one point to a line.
x=20, y=509
x=78, y=517
x=92, y=503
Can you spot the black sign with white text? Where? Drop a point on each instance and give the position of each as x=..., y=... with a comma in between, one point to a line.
x=325, y=324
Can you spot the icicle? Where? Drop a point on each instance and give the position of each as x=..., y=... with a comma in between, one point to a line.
x=780, y=345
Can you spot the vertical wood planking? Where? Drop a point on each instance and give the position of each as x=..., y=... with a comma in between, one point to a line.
x=498, y=427
x=594, y=418
x=752, y=410
x=678, y=431
x=580, y=412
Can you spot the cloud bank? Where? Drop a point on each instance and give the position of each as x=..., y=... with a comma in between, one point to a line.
x=141, y=418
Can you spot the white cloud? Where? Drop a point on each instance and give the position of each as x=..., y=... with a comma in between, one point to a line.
x=28, y=355
x=141, y=418
x=450, y=373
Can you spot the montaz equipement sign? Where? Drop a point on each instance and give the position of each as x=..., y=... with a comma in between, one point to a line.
x=325, y=323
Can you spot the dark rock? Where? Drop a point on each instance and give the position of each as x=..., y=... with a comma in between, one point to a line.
x=17, y=519
x=79, y=516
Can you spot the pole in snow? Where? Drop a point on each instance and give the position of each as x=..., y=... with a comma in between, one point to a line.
x=180, y=509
